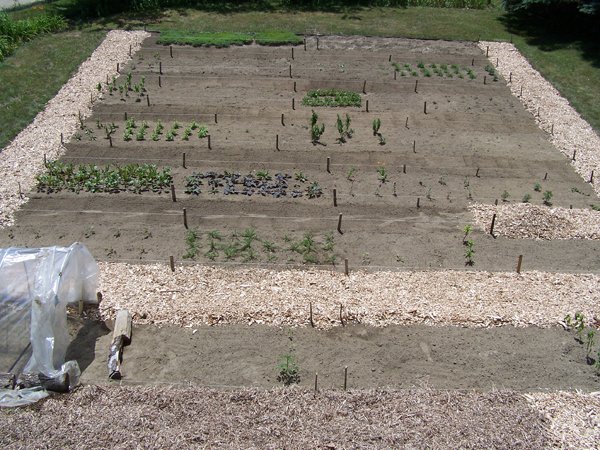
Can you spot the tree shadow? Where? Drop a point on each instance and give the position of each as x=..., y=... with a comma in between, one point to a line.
x=82, y=347
x=561, y=26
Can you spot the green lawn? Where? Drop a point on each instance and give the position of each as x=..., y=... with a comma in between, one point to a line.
x=35, y=73
x=571, y=63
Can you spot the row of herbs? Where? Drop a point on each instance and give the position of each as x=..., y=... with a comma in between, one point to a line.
x=259, y=183
x=247, y=246
x=441, y=70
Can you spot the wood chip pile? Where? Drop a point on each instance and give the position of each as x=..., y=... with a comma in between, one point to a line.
x=526, y=221
x=196, y=295
x=168, y=417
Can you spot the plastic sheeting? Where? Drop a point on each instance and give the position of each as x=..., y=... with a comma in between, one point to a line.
x=36, y=285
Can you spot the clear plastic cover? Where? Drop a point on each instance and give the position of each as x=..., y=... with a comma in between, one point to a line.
x=36, y=285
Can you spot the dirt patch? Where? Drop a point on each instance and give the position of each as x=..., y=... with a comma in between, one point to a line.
x=439, y=357
x=475, y=143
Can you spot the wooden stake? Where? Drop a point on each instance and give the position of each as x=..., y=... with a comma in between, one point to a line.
x=346, y=271
x=91, y=97
x=521, y=94
x=546, y=176
x=538, y=112
x=173, y=196
x=316, y=378
x=342, y=315
x=552, y=129
x=473, y=62
x=487, y=51
x=493, y=223
x=45, y=161
x=317, y=43
x=293, y=103
x=497, y=62
x=107, y=79
x=277, y=142
x=335, y=197
x=390, y=58
x=148, y=99
x=282, y=120
x=62, y=140
x=110, y=141
x=292, y=52
x=510, y=77
x=117, y=67
x=496, y=202
x=477, y=173
x=160, y=67
x=171, y=50
x=183, y=162
x=129, y=49
x=345, y=377
x=172, y=263
x=312, y=324
x=290, y=71
x=574, y=153
x=304, y=44
x=185, y=222
x=395, y=75
x=209, y=146
x=339, y=227
x=216, y=118
x=425, y=107
x=367, y=105
x=519, y=261
x=295, y=87
x=328, y=164
x=592, y=177
x=159, y=81
x=365, y=87
x=125, y=115
x=414, y=146
x=416, y=86
x=406, y=124
x=20, y=191
x=403, y=168
x=418, y=202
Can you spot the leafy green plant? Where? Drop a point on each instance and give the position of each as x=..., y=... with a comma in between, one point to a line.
x=350, y=174
x=526, y=198
x=589, y=344
x=316, y=132
x=186, y=134
x=595, y=207
x=314, y=190
x=288, y=370
x=467, y=231
x=263, y=175
x=299, y=176
x=329, y=242
x=203, y=131
x=344, y=129
x=191, y=240
x=469, y=253
x=140, y=135
x=382, y=174
x=331, y=98
x=547, y=195
x=505, y=195
x=170, y=136
x=537, y=187
x=381, y=138
x=376, y=126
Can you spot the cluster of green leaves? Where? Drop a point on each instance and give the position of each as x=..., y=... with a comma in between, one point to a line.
x=587, y=339
x=136, y=178
x=441, y=70
x=343, y=128
x=124, y=89
x=546, y=195
x=13, y=32
x=316, y=130
x=492, y=71
x=331, y=97
x=226, y=39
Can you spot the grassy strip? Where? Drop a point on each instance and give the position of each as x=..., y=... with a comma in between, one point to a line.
x=36, y=72
x=13, y=32
x=226, y=39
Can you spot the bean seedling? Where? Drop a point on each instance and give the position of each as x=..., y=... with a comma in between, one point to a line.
x=547, y=198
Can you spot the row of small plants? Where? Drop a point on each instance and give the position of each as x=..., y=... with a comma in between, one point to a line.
x=138, y=89
x=441, y=70
x=248, y=246
x=491, y=71
x=139, y=131
x=259, y=183
x=136, y=178
x=331, y=97
x=537, y=187
x=343, y=128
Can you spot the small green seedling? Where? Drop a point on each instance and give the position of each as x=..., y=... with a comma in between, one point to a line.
x=376, y=126
x=299, y=176
x=350, y=174
x=288, y=370
x=589, y=345
x=537, y=187
x=469, y=253
x=547, y=198
x=382, y=174
x=467, y=230
x=505, y=195
x=526, y=198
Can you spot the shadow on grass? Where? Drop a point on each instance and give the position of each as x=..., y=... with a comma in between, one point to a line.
x=557, y=28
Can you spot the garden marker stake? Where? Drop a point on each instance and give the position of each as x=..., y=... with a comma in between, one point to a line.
x=117, y=67
x=328, y=164
x=497, y=62
x=129, y=50
x=290, y=71
x=510, y=77
x=184, y=161
x=310, y=314
x=295, y=87
x=390, y=58
x=216, y=118
x=125, y=115
x=367, y=105
x=159, y=81
x=62, y=141
x=335, y=197
x=487, y=51
x=365, y=87
x=292, y=52
x=416, y=86
x=277, y=142
x=346, y=271
x=185, y=223
x=345, y=377
x=552, y=129
x=592, y=177
x=484, y=79
x=414, y=146
x=403, y=170
x=282, y=120
x=171, y=50
x=339, y=227
x=148, y=99
x=173, y=196
x=209, y=146
x=574, y=153
x=304, y=44
x=492, y=226
x=473, y=62
x=20, y=191
x=477, y=173
x=342, y=315
x=317, y=43
x=395, y=75
x=110, y=141
x=406, y=124
x=521, y=94
x=519, y=261
x=45, y=161
x=425, y=107
x=293, y=103
x=316, y=382
x=172, y=263
x=418, y=202
x=546, y=176
x=160, y=67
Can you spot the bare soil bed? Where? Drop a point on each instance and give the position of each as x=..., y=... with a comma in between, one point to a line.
x=475, y=143
x=522, y=359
